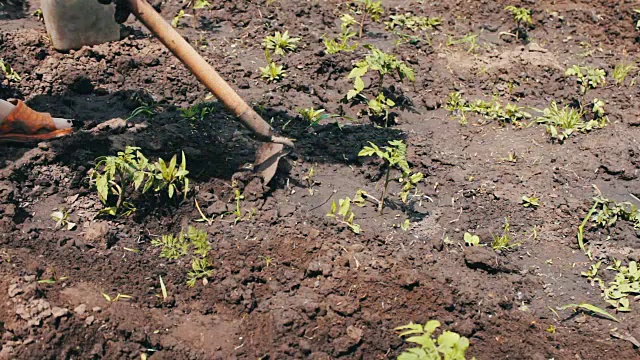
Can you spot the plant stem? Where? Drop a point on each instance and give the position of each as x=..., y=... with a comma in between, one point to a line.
x=384, y=191
x=364, y=16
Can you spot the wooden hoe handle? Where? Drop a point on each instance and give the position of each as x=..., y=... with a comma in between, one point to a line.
x=207, y=75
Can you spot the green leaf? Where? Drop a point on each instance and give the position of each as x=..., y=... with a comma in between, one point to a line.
x=592, y=308
x=334, y=208
x=431, y=326
x=415, y=354
x=345, y=205
x=358, y=72
x=358, y=84
x=171, y=190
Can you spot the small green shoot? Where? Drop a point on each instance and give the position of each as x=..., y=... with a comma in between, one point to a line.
x=413, y=23
x=589, y=308
x=334, y=46
x=144, y=110
x=448, y=345
x=163, y=288
x=9, y=73
x=201, y=246
x=522, y=18
x=61, y=217
x=380, y=62
x=470, y=39
x=173, y=247
x=281, y=44
x=563, y=122
x=309, y=179
x=625, y=283
x=53, y=279
x=200, y=270
x=593, y=271
x=504, y=241
x=621, y=71
x=313, y=116
x=493, y=110
x=530, y=201
x=471, y=240
x=116, y=298
x=273, y=72
x=343, y=214
x=196, y=112
x=176, y=19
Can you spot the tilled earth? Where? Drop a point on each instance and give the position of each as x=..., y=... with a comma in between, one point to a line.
x=288, y=282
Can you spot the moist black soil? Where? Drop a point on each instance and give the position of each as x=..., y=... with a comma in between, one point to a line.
x=289, y=282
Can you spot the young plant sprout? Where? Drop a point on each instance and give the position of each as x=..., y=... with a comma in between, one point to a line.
x=280, y=44
x=522, y=17
x=333, y=46
x=369, y=7
x=343, y=214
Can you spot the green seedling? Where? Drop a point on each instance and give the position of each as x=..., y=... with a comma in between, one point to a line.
x=163, y=288
x=608, y=212
x=267, y=260
x=333, y=46
x=9, y=73
x=173, y=247
x=593, y=271
x=310, y=180
x=371, y=8
x=471, y=240
x=412, y=23
x=448, y=345
x=200, y=269
x=521, y=16
x=61, y=217
x=492, y=110
x=587, y=77
x=380, y=62
x=470, y=39
x=393, y=156
x=176, y=19
x=117, y=297
x=405, y=225
x=589, y=308
x=621, y=71
x=53, y=279
x=131, y=171
x=511, y=157
x=196, y=112
x=530, y=201
x=503, y=242
x=144, y=110
x=201, y=246
x=343, y=214
x=378, y=108
x=313, y=116
x=38, y=14
x=280, y=44
x=625, y=283
x=273, y=72
x=563, y=122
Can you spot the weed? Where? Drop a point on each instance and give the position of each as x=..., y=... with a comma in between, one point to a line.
x=38, y=14
x=448, y=345
x=343, y=214
x=273, y=72
x=280, y=44
x=163, y=288
x=625, y=283
x=200, y=269
x=530, y=201
x=521, y=16
x=176, y=19
x=201, y=246
x=563, y=122
x=53, y=279
x=142, y=110
x=471, y=240
x=491, y=110
x=61, y=217
x=9, y=73
x=587, y=77
x=503, y=242
x=608, y=212
x=621, y=71
x=333, y=46
x=114, y=175
x=197, y=112
x=470, y=39
x=173, y=247
x=267, y=260
x=412, y=23
x=312, y=116
x=116, y=298
x=593, y=271
x=369, y=7
x=511, y=157
x=551, y=329
x=393, y=156
x=309, y=179
x=589, y=308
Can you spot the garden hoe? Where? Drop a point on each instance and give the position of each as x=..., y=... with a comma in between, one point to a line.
x=272, y=148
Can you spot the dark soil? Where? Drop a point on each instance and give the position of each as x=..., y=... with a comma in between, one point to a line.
x=289, y=283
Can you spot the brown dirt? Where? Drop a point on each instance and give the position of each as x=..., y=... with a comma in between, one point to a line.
x=327, y=293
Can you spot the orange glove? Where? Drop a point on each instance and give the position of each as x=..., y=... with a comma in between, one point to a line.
x=25, y=124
